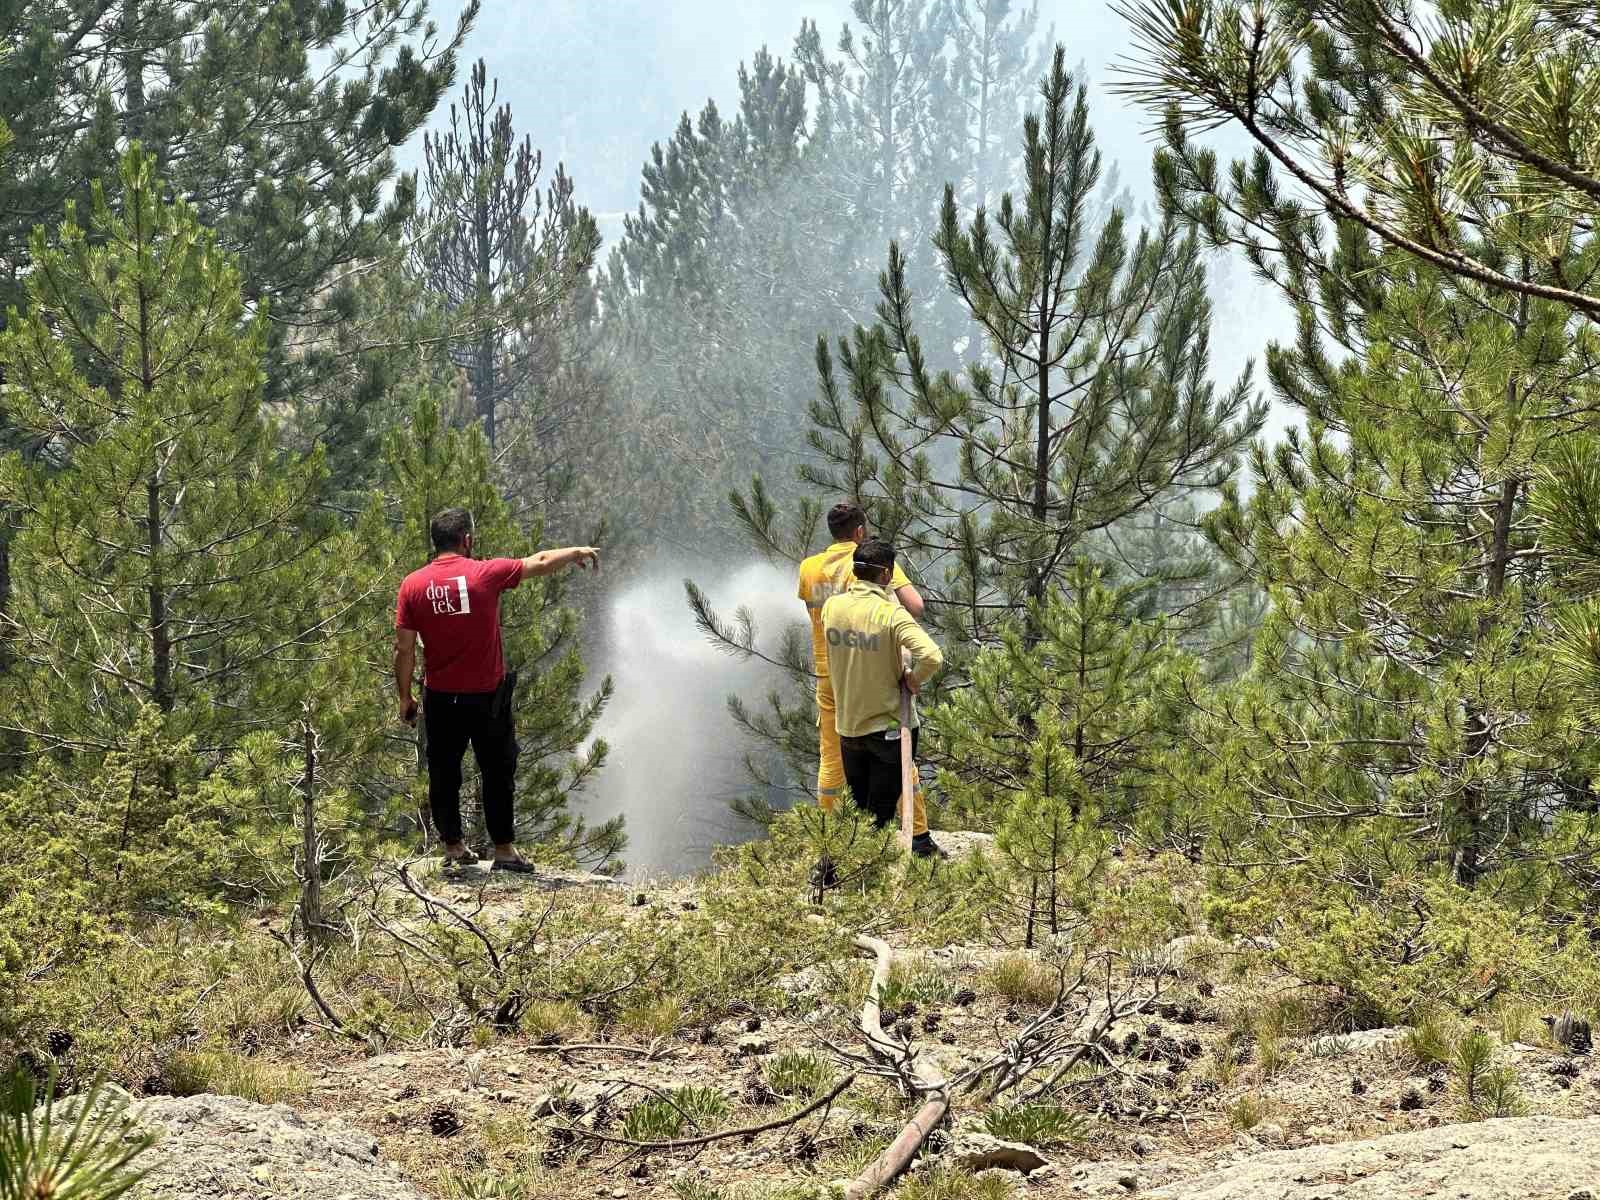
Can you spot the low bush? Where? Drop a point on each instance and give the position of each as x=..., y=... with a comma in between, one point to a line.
x=1248, y=1111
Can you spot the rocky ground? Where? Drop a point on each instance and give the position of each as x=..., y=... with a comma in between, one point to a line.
x=1190, y=1109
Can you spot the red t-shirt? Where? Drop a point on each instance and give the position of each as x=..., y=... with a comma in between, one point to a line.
x=453, y=605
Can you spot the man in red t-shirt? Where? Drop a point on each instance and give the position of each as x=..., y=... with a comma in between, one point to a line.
x=453, y=605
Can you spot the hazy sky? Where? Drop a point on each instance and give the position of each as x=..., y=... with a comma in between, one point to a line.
x=596, y=83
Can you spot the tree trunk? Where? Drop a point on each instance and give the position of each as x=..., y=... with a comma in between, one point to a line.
x=133, y=72
x=485, y=381
x=161, y=690
x=312, y=924
x=1469, y=855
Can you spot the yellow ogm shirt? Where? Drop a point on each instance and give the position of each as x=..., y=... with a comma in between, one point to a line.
x=827, y=574
x=867, y=632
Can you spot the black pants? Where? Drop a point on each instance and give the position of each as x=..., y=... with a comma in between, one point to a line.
x=454, y=719
x=872, y=769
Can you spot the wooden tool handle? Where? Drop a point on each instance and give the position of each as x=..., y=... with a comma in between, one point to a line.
x=908, y=770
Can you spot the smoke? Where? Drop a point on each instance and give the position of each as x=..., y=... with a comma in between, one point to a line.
x=676, y=756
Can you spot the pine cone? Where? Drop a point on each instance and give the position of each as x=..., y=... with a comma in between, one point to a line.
x=59, y=1042
x=930, y=1022
x=153, y=1085
x=1357, y=1088
x=964, y=997
x=1410, y=1100
x=250, y=1043
x=1565, y=1068
x=560, y=1145
x=752, y=1025
x=909, y=1009
x=444, y=1122
x=887, y=1017
x=1436, y=1082
x=1206, y=988
x=1188, y=1014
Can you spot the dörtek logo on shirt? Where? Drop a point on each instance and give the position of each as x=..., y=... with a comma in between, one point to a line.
x=450, y=596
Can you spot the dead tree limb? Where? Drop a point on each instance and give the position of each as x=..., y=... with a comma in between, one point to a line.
x=896, y=1157
x=308, y=979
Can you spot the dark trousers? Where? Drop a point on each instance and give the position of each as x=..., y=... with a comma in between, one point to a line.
x=872, y=769
x=453, y=720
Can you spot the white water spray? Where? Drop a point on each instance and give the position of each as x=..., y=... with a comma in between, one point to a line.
x=677, y=758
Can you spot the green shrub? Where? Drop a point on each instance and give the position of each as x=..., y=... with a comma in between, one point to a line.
x=1037, y=1124
x=1486, y=1090
x=794, y=1073
x=1430, y=1042
x=917, y=981
x=686, y=1187
x=1271, y=1056
x=92, y=1158
x=1413, y=942
x=662, y=1118
x=561, y=1020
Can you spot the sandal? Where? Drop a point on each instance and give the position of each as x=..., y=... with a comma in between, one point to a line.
x=518, y=866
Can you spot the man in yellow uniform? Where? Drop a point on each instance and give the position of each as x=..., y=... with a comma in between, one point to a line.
x=869, y=636
x=821, y=576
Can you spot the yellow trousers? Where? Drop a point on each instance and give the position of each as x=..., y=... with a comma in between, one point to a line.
x=830, y=764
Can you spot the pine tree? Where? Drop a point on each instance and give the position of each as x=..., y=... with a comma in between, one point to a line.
x=996, y=63
x=276, y=122
x=168, y=554
x=1092, y=669
x=710, y=298
x=1463, y=141
x=1403, y=690
x=1092, y=403
x=890, y=88
x=505, y=259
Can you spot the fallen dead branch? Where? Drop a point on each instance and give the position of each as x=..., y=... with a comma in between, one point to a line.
x=656, y=1049
x=897, y=1155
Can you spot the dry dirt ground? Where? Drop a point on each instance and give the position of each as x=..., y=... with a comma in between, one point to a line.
x=1166, y=1112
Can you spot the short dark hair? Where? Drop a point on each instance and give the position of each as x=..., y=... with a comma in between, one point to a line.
x=875, y=555
x=844, y=519
x=450, y=529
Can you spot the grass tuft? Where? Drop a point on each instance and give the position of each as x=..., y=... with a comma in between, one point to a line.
x=794, y=1073
x=1022, y=980
x=193, y=1072
x=1037, y=1124
x=662, y=1118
